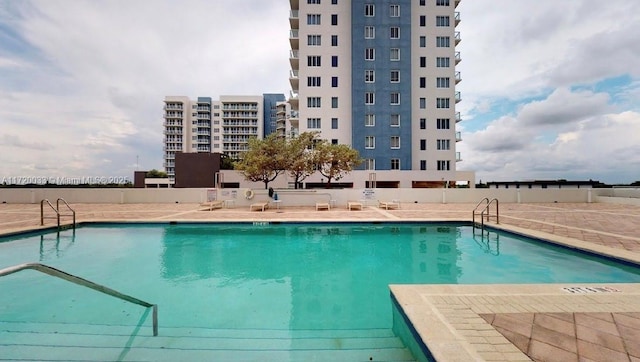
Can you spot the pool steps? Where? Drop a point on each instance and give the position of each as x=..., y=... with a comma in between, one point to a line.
x=61, y=341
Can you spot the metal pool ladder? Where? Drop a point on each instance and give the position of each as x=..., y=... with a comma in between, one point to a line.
x=85, y=283
x=485, y=212
x=57, y=211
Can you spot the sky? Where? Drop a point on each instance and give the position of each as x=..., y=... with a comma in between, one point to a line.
x=550, y=89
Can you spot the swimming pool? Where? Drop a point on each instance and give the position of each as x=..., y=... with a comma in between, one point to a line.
x=290, y=288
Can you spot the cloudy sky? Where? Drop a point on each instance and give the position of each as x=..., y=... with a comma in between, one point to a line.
x=550, y=88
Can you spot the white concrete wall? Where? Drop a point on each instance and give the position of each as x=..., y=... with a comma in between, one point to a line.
x=296, y=197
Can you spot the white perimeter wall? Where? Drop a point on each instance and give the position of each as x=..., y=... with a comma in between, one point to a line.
x=292, y=197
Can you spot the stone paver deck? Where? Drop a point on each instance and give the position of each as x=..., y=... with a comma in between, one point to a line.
x=465, y=322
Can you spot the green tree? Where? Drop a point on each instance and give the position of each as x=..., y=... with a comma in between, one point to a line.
x=335, y=161
x=264, y=160
x=301, y=157
x=156, y=174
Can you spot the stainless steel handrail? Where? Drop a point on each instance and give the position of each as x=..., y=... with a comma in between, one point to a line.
x=42, y=212
x=73, y=212
x=473, y=217
x=486, y=211
x=85, y=283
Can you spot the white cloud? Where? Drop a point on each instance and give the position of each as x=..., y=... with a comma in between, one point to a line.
x=83, y=83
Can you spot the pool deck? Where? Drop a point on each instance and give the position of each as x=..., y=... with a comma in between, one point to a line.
x=550, y=322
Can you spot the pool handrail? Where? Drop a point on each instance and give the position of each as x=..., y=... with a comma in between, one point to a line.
x=56, y=209
x=85, y=283
x=485, y=211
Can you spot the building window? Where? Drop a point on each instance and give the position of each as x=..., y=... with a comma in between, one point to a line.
x=394, y=54
x=313, y=61
x=369, y=120
x=394, y=121
x=423, y=145
x=334, y=123
x=369, y=10
x=314, y=40
x=423, y=103
x=334, y=40
x=313, y=81
x=442, y=62
x=423, y=123
x=443, y=145
x=369, y=142
x=334, y=82
x=442, y=102
x=442, y=123
x=423, y=2
x=423, y=82
x=313, y=19
x=395, y=98
x=369, y=164
x=443, y=165
x=369, y=98
x=369, y=76
x=369, y=54
x=334, y=102
x=442, y=82
x=423, y=20
x=423, y=62
x=313, y=123
x=317, y=2
x=395, y=142
x=443, y=42
x=313, y=102
x=423, y=41
x=423, y=165
x=395, y=76
x=394, y=32
x=394, y=11
x=334, y=61
x=334, y=141
x=442, y=2
x=395, y=163
x=442, y=21
x=334, y=19
x=369, y=32
x=334, y=2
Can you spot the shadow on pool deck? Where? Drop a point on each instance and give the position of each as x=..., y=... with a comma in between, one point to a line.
x=605, y=228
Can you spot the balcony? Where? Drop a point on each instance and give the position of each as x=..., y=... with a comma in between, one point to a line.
x=457, y=37
x=458, y=97
x=294, y=39
x=458, y=136
x=457, y=58
x=458, y=157
x=294, y=60
x=458, y=78
x=455, y=3
x=458, y=117
x=294, y=80
x=294, y=19
x=456, y=17
x=295, y=4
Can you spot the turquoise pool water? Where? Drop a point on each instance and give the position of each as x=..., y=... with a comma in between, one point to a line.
x=270, y=277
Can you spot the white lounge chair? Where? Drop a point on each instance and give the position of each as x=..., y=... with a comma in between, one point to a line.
x=259, y=206
x=388, y=205
x=215, y=204
x=323, y=206
x=354, y=205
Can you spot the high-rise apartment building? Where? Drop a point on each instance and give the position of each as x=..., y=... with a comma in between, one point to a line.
x=223, y=126
x=379, y=75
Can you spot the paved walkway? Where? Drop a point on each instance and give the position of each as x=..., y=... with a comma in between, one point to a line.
x=463, y=322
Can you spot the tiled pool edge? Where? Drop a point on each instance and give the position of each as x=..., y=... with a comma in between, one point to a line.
x=446, y=317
